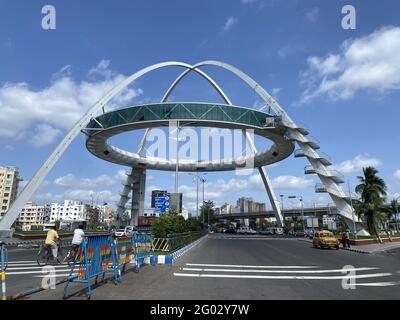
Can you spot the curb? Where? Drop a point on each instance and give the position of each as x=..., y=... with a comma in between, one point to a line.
x=177, y=254
x=355, y=250
x=341, y=248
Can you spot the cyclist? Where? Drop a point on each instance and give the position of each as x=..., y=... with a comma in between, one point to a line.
x=51, y=241
x=76, y=242
x=78, y=236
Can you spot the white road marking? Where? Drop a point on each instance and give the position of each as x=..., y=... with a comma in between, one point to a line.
x=36, y=267
x=378, y=284
x=249, y=266
x=277, y=271
x=57, y=275
x=360, y=276
x=33, y=272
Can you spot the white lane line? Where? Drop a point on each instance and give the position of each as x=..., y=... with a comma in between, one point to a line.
x=37, y=267
x=57, y=275
x=31, y=264
x=27, y=261
x=377, y=284
x=277, y=271
x=33, y=272
x=249, y=266
x=239, y=276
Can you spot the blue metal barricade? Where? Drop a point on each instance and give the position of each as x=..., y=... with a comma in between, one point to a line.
x=143, y=248
x=98, y=255
x=4, y=265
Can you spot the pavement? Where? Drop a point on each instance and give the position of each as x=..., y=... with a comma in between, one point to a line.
x=244, y=267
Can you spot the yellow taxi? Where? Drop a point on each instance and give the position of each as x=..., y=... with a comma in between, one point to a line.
x=325, y=239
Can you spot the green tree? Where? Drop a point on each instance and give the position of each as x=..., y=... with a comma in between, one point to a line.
x=372, y=191
x=167, y=224
x=391, y=211
x=208, y=212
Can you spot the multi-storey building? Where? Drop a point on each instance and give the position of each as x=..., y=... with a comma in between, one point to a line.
x=68, y=211
x=9, y=180
x=34, y=214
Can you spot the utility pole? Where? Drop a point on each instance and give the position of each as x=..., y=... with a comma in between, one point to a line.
x=177, y=157
x=352, y=210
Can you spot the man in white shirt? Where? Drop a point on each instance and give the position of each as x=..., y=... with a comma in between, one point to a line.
x=78, y=236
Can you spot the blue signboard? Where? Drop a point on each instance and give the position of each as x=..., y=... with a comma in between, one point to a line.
x=161, y=204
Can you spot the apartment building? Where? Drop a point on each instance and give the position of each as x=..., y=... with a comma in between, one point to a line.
x=9, y=180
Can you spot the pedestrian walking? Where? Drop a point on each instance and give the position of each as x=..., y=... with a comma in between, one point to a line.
x=348, y=238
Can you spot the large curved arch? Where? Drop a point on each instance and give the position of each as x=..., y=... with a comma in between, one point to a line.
x=297, y=134
x=12, y=214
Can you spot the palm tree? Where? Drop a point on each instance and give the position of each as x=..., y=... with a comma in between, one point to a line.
x=392, y=210
x=372, y=191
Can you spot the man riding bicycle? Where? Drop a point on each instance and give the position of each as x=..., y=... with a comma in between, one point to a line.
x=51, y=241
x=79, y=235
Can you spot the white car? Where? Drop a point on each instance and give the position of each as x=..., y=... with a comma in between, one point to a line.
x=127, y=232
x=246, y=230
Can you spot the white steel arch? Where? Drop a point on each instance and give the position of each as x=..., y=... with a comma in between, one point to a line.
x=295, y=133
x=13, y=212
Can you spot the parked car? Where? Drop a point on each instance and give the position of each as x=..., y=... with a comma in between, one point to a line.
x=267, y=232
x=325, y=239
x=272, y=231
x=126, y=232
x=246, y=230
x=231, y=230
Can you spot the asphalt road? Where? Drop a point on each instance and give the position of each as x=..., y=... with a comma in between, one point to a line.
x=23, y=272
x=246, y=267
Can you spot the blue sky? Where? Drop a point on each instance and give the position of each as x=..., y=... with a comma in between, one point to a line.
x=342, y=84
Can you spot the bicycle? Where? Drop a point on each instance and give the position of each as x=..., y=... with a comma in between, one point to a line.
x=45, y=255
x=73, y=255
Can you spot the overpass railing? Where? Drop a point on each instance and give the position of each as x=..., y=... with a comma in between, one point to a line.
x=176, y=241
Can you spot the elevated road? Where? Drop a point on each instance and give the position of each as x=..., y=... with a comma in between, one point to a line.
x=288, y=212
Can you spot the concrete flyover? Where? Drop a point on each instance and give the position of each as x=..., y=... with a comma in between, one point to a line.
x=102, y=128
x=286, y=212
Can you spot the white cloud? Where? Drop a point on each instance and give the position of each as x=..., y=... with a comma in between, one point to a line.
x=356, y=164
x=291, y=182
x=365, y=63
x=43, y=135
x=275, y=92
x=397, y=175
x=57, y=106
x=85, y=196
x=229, y=23
x=312, y=15
x=102, y=181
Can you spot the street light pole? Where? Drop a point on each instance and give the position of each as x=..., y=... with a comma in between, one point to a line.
x=177, y=157
x=352, y=211
x=302, y=209
x=197, y=192
x=208, y=219
x=396, y=214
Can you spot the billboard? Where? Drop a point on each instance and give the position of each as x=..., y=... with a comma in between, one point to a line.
x=312, y=222
x=176, y=202
x=157, y=193
x=161, y=204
